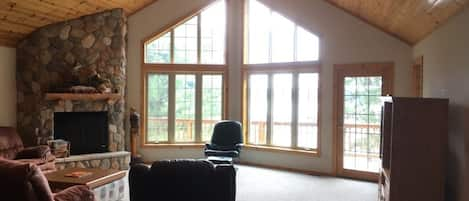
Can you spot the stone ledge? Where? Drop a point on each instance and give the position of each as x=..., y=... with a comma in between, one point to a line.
x=83, y=96
x=111, y=160
x=97, y=156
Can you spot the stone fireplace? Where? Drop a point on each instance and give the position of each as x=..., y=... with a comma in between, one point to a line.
x=47, y=61
x=114, y=119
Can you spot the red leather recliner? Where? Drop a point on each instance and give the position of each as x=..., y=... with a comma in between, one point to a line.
x=11, y=147
x=26, y=182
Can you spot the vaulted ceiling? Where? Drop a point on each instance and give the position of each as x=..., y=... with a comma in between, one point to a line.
x=20, y=17
x=408, y=20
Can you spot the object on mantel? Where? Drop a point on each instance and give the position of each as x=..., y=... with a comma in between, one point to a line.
x=89, y=77
x=85, y=96
x=83, y=89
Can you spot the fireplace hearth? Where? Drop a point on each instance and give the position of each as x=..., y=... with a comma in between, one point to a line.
x=88, y=132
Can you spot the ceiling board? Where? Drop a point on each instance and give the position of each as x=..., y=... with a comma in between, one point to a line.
x=20, y=17
x=408, y=20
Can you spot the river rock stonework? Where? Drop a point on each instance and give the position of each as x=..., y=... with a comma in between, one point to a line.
x=112, y=160
x=48, y=58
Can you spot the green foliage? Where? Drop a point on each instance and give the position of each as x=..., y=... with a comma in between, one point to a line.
x=156, y=56
x=362, y=99
x=362, y=106
x=185, y=86
x=157, y=95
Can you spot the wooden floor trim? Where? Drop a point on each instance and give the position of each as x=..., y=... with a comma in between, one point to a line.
x=296, y=170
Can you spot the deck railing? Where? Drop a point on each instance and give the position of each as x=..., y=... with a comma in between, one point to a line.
x=185, y=130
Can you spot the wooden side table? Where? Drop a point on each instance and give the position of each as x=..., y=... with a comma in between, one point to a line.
x=107, y=184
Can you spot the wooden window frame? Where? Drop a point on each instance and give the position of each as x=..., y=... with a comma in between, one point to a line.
x=170, y=29
x=174, y=68
x=417, y=77
x=246, y=40
x=294, y=68
x=288, y=67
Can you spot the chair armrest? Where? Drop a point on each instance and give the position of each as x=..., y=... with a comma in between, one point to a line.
x=226, y=180
x=75, y=193
x=42, y=152
x=239, y=146
x=138, y=174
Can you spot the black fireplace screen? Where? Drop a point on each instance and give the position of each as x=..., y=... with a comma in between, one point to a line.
x=87, y=132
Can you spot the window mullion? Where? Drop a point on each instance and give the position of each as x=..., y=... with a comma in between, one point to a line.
x=199, y=39
x=270, y=38
x=198, y=107
x=295, y=43
x=294, y=125
x=172, y=107
x=269, y=109
x=171, y=41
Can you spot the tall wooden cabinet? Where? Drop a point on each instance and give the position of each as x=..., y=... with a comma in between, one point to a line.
x=413, y=149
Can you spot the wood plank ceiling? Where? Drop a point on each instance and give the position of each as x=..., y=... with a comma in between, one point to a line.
x=20, y=17
x=408, y=20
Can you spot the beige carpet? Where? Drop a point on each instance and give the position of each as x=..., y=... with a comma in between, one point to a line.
x=255, y=184
x=261, y=184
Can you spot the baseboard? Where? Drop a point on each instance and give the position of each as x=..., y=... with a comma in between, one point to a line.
x=309, y=172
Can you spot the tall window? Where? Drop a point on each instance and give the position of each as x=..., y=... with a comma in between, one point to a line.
x=184, y=69
x=282, y=81
x=283, y=109
x=272, y=38
x=198, y=40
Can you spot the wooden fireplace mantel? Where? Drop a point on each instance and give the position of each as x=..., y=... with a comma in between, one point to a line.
x=86, y=97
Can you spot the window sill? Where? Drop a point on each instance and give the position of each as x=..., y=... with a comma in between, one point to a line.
x=189, y=145
x=312, y=153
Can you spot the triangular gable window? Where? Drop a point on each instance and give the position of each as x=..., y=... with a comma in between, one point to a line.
x=197, y=40
x=272, y=38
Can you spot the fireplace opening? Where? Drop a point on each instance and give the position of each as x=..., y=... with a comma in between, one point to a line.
x=87, y=132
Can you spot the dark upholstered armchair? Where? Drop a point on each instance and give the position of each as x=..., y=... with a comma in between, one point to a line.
x=26, y=182
x=227, y=140
x=11, y=147
x=182, y=180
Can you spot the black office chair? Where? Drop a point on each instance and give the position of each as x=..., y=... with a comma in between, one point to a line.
x=227, y=140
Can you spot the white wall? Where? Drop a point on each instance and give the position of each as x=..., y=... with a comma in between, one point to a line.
x=7, y=86
x=446, y=75
x=344, y=39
